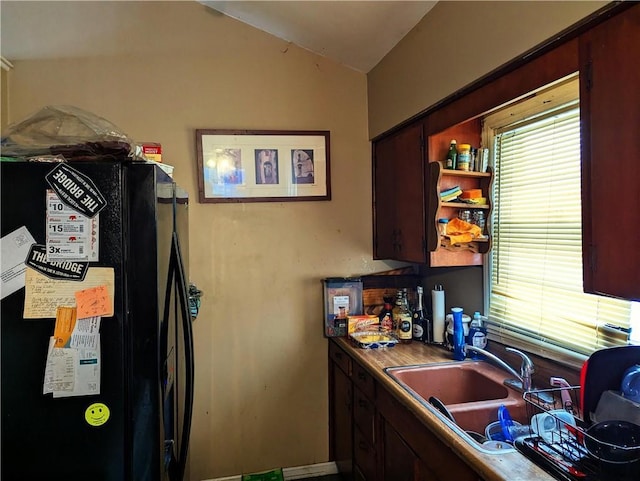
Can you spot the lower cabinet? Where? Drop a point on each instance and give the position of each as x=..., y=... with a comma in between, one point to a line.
x=373, y=437
x=398, y=460
x=364, y=435
x=341, y=411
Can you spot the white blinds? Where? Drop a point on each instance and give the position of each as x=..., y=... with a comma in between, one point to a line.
x=536, y=295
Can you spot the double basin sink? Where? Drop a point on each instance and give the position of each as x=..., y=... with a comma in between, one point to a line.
x=472, y=392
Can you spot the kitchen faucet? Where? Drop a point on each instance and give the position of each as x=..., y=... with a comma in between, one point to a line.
x=526, y=369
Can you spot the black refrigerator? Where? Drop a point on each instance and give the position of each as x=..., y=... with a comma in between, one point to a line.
x=146, y=346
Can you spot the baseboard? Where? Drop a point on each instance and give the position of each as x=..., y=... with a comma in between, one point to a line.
x=297, y=472
x=310, y=471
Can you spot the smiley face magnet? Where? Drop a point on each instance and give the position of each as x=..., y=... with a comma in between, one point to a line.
x=97, y=414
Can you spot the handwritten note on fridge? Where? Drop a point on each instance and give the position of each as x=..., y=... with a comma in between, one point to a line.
x=43, y=296
x=93, y=302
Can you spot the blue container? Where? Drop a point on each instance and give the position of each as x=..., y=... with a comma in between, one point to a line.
x=458, y=334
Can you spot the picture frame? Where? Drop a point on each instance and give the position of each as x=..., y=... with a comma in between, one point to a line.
x=263, y=165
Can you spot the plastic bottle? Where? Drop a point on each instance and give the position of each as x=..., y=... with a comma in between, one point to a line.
x=452, y=155
x=442, y=226
x=464, y=157
x=477, y=335
x=458, y=334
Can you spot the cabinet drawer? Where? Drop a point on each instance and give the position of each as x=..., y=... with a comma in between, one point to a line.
x=363, y=380
x=364, y=456
x=340, y=357
x=364, y=415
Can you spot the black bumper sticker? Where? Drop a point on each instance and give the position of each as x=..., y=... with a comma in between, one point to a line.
x=61, y=270
x=76, y=190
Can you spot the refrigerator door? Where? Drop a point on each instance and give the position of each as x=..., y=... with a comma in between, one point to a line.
x=176, y=342
x=43, y=437
x=146, y=354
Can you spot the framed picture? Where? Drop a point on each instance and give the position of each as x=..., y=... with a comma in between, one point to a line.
x=263, y=165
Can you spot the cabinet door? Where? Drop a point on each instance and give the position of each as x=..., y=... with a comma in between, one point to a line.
x=384, y=204
x=411, y=206
x=341, y=421
x=610, y=117
x=399, y=196
x=398, y=459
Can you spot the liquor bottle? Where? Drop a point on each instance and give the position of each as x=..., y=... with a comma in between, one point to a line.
x=386, y=315
x=402, y=317
x=452, y=155
x=420, y=322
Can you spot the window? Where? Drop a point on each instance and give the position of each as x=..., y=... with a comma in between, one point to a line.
x=536, y=299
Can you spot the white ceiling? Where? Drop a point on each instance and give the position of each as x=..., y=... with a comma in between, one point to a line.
x=357, y=34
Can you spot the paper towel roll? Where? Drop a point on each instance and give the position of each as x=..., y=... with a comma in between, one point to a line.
x=437, y=304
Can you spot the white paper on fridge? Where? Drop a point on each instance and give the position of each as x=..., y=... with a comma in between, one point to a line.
x=59, y=373
x=14, y=248
x=73, y=371
x=71, y=236
x=86, y=372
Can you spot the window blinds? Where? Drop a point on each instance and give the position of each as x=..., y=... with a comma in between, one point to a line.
x=536, y=297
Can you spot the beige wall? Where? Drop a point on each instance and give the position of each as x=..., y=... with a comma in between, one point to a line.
x=4, y=90
x=456, y=43
x=161, y=70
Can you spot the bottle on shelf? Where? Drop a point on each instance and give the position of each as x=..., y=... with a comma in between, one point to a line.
x=464, y=157
x=386, y=315
x=442, y=226
x=421, y=325
x=402, y=317
x=452, y=155
x=477, y=335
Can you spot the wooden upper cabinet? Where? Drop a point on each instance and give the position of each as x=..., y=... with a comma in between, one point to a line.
x=399, y=196
x=610, y=119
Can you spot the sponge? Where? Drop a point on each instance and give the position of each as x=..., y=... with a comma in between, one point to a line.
x=471, y=194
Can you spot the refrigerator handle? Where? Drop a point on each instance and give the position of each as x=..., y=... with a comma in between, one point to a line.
x=187, y=330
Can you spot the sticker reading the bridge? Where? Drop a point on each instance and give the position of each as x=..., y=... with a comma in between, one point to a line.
x=65, y=270
x=76, y=190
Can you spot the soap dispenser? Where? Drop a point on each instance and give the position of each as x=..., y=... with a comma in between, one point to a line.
x=477, y=335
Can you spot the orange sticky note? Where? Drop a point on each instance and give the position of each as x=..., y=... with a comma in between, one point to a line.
x=94, y=302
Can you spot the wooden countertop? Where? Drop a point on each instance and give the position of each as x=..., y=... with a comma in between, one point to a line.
x=509, y=466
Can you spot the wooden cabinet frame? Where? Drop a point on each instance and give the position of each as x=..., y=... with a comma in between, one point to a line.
x=601, y=48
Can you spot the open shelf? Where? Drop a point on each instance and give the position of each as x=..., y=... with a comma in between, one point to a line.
x=442, y=179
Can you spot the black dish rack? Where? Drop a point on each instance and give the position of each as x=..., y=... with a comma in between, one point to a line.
x=565, y=455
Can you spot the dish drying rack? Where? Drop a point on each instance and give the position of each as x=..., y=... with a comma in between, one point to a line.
x=566, y=456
